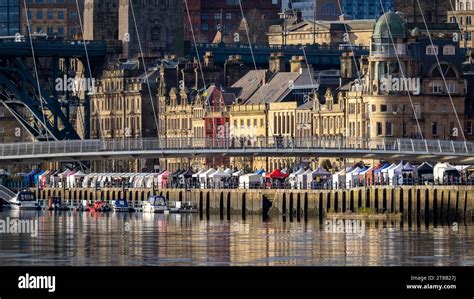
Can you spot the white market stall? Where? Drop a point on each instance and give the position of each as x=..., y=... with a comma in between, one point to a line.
x=204, y=178
x=219, y=179
x=247, y=181
x=444, y=172
x=293, y=177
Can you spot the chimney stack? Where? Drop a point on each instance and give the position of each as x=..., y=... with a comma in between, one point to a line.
x=209, y=59
x=297, y=64
x=277, y=62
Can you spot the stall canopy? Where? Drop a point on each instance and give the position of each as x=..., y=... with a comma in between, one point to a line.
x=187, y=174
x=207, y=173
x=238, y=173
x=277, y=174
x=163, y=179
x=229, y=171
x=394, y=174
x=3, y=172
x=442, y=170
x=248, y=180
x=71, y=180
x=294, y=177
x=408, y=167
x=297, y=173
x=302, y=179
x=261, y=172
x=197, y=174
x=353, y=175
x=425, y=170
x=339, y=179
x=219, y=174
x=177, y=173
x=317, y=176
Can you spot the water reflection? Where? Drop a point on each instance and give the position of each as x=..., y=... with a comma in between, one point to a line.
x=85, y=239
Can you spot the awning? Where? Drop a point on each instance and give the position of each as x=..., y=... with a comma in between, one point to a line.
x=277, y=174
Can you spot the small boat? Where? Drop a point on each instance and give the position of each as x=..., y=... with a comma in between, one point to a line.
x=100, y=206
x=121, y=205
x=82, y=207
x=24, y=200
x=181, y=207
x=155, y=204
x=56, y=204
x=189, y=208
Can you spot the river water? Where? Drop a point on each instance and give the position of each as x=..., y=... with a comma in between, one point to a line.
x=111, y=239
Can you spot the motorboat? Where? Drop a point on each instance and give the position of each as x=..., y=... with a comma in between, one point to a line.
x=24, y=200
x=55, y=204
x=155, y=204
x=121, y=205
x=100, y=206
x=182, y=207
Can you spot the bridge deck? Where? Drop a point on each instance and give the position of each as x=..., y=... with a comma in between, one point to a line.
x=52, y=48
x=81, y=150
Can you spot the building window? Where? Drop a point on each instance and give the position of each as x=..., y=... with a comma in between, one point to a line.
x=379, y=129
x=449, y=50
x=434, y=129
x=388, y=129
x=383, y=108
x=432, y=50
x=469, y=128
x=436, y=87
x=452, y=87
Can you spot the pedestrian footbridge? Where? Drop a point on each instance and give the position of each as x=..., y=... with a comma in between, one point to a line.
x=387, y=149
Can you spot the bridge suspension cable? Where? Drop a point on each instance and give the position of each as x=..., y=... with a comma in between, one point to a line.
x=191, y=25
x=461, y=127
x=40, y=97
x=402, y=69
x=90, y=72
x=155, y=116
x=305, y=57
x=262, y=97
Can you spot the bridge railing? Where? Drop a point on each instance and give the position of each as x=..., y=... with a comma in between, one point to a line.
x=208, y=46
x=275, y=143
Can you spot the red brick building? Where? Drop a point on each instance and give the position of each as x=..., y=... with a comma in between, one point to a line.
x=210, y=17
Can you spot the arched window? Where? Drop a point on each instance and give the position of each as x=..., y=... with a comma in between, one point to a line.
x=446, y=70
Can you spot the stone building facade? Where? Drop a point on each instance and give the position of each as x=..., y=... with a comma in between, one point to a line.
x=158, y=23
x=331, y=33
x=55, y=18
x=121, y=109
x=405, y=95
x=434, y=11
x=461, y=14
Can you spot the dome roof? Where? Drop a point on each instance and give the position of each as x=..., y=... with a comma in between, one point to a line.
x=396, y=23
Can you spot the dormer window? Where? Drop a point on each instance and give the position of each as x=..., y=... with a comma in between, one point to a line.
x=432, y=50
x=449, y=50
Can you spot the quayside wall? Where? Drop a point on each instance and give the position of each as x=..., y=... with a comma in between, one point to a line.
x=428, y=202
